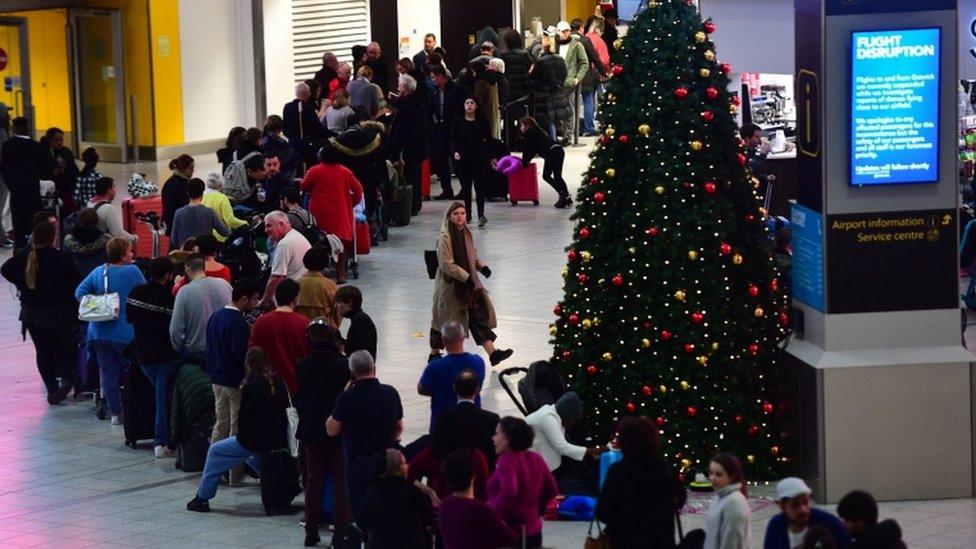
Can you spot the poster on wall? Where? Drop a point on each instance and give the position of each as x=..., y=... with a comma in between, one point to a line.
x=894, y=106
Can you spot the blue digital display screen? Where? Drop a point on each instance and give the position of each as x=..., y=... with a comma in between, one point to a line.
x=895, y=106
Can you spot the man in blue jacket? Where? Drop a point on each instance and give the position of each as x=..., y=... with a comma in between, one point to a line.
x=787, y=529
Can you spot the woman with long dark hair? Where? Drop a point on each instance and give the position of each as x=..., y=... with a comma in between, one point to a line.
x=174, y=189
x=225, y=155
x=458, y=291
x=470, y=139
x=46, y=278
x=537, y=142
x=729, y=514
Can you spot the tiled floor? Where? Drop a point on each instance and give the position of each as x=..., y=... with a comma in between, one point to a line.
x=67, y=480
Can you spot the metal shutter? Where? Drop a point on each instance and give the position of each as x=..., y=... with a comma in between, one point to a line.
x=319, y=26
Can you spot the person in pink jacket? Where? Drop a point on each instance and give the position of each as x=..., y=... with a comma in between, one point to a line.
x=521, y=486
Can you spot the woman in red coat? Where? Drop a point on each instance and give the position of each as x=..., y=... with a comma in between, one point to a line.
x=333, y=190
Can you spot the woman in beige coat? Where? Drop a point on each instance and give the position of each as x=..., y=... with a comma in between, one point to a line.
x=458, y=292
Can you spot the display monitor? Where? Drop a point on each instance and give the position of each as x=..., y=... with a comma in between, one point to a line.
x=894, y=106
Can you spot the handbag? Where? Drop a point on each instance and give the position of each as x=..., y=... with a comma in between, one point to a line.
x=101, y=307
x=292, y=413
x=601, y=541
x=430, y=258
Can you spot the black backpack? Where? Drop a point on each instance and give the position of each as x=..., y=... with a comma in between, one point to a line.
x=315, y=236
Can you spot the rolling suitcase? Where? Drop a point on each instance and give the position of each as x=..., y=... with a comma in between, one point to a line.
x=523, y=186
x=138, y=406
x=362, y=238
x=425, y=180
x=132, y=206
x=402, y=206
x=279, y=481
x=191, y=454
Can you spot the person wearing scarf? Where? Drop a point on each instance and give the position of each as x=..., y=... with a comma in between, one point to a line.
x=458, y=292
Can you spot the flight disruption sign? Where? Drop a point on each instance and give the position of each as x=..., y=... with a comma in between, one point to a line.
x=894, y=106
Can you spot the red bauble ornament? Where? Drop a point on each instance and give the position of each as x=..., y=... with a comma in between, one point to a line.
x=738, y=419
x=753, y=431
x=574, y=319
x=659, y=421
x=692, y=411
x=689, y=348
x=753, y=290
x=592, y=369
x=750, y=218
x=558, y=309
x=617, y=280
x=605, y=140
x=784, y=319
x=736, y=101
x=572, y=255
x=711, y=93
x=631, y=408
x=646, y=390
x=687, y=184
x=707, y=116
x=741, y=159
x=767, y=407
x=774, y=450
x=710, y=187
x=618, y=70
x=582, y=278
x=697, y=317
x=567, y=355
x=681, y=92
x=646, y=325
x=725, y=67
x=594, y=180
x=665, y=335
x=623, y=139
x=652, y=231
x=774, y=285
x=709, y=27
x=724, y=248
x=584, y=233
x=753, y=349
x=599, y=197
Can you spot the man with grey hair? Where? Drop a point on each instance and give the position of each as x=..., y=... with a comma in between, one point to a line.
x=289, y=251
x=437, y=380
x=302, y=126
x=369, y=416
x=329, y=70
x=550, y=423
x=408, y=135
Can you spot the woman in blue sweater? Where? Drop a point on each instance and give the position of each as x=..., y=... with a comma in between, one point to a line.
x=109, y=338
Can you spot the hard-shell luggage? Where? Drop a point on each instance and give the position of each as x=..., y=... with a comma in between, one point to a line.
x=362, y=238
x=191, y=454
x=402, y=207
x=279, y=481
x=133, y=206
x=425, y=180
x=523, y=186
x=138, y=406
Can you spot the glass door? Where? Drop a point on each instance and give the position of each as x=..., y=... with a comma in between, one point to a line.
x=99, y=84
x=14, y=68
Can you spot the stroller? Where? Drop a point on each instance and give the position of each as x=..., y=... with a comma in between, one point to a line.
x=540, y=386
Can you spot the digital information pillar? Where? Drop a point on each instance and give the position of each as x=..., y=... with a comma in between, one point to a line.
x=883, y=385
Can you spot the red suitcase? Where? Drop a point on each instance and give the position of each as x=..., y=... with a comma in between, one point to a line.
x=362, y=238
x=132, y=206
x=425, y=180
x=523, y=186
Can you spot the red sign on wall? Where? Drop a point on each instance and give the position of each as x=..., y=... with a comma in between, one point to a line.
x=3, y=59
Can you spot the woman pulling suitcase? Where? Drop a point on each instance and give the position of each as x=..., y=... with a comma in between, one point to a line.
x=537, y=142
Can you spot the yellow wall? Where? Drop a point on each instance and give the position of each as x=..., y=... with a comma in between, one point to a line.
x=579, y=8
x=50, y=87
x=164, y=25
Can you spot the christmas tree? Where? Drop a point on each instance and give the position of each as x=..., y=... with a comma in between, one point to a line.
x=672, y=307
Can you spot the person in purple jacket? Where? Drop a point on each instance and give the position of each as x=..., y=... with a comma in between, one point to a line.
x=465, y=522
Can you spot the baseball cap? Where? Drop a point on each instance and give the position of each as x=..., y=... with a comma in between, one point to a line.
x=790, y=487
x=562, y=26
x=550, y=31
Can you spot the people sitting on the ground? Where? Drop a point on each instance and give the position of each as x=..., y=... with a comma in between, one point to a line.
x=463, y=520
x=369, y=416
x=217, y=201
x=362, y=332
x=321, y=377
x=281, y=333
x=227, y=339
x=201, y=297
x=261, y=428
x=448, y=434
x=437, y=380
x=480, y=424
x=86, y=242
x=640, y=493
x=289, y=251
x=109, y=215
x=787, y=529
x=729, y=514
x=859, y=512
x=206, y=245
x=395, y=512
x=150, y=310
x=195, y=219
x=316, y=297
x=549, y=423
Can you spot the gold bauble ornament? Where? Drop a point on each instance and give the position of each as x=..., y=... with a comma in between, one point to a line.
x=679, y=295
x=659, y=189
x=751, y=459
x=692, y=255
x=710, y=55
x=703, y=360
x=611, y=98
x=696, y=145
x=737, y=259
x=644, y=129
x=700, y=37
x=685, y=463
x=552, y=330
x=610, y=131
x=632, y=250
x=618, y=43
x=646, y=343
x=662, y=389
x=565, y=272
x=733, y=109
x=705, y=73
x=586, y=256
x=586, y=323
x=715, y=346
x=611, y=172
x=596, y=321
x=685, y=385
x=607, y=357
x=759, y=312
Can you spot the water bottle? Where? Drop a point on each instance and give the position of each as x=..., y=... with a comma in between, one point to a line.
x=262, y=195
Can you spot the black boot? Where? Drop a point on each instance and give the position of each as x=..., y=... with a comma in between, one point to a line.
x=498, y=355
x=198, y=505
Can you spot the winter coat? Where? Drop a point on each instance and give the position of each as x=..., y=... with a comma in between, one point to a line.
x=486, y=34
x=486, y=94
x=86, y=246
x=447, y=306
x=517, y=63
x=408, y=133
x=577, y=63
x=552, y=101
x=727, y=526
x=193, y=399
x=332, y=190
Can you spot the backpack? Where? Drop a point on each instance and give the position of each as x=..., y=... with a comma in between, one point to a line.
x=235, y=179
x=315, y=236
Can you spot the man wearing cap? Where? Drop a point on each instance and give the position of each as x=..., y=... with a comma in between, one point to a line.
x=788, y=529
x=550, y=423
x=571, y=49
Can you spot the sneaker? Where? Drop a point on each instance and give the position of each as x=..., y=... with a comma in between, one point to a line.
x=498, y=355
x=482, y=221
x=57, y=397
x=161, y=452
x=8, y=244
x=198, y=505
x=116, y=420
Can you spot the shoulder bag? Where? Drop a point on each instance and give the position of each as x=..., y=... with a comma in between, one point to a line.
x=430, y=258
x=101, y=307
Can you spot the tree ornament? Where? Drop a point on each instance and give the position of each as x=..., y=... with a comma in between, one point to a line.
x=700, y=37
x=697, y=318
x=553, y=329
x=767, y=407
x=685, y=385
x=696, y=145
x=753, y=349
x=572, y=255
x=567, y=355
x=662, y=389
x=605, y=139
x=587, y=323
x=582, y=278
x=774, y=285
x=681, y=92
x=679, y=295
x=607, y=357
x=623, y=139
x=646, y=325
x=741, y=159
x=703, y=359
x=751, y=459
x=692, y=255
x=594, y=180
x=618, y=43
x=709, y=55
x=753, y=290
x=750, y=218
x=646, y=390
x=710, y=187
x=599, y=197
x=644, y=129
x=659, y=189
x=738, y=418
x=631, y=408
x=737, y=259
x=574, y=319
x=705, y=73
x=688, y=185
x=774, y=450
x=692, y=411
x=753, y=431
x=689, y=348
x=645, y=343
x=652, y=231
x=686, y=463
x=711, y=92
x=610, y=131
x=724, y=248
x=733, y=109
x=586, y=256
x=659, y=421
x=707, y=116
x=725, y=68
x=617, y=280
x=618, y=70
x=558, y=309
x=584, y=233
x=759, y=312
x=784, y=319
x=709, y=26
x=592, y=369
x=665, y=335
x=611, y=172
x=715, y=345
x=565, y=272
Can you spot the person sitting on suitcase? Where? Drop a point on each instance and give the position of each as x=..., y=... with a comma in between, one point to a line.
x=537, y=142
x=109, y=216
x=261, y=427
x=195, y=219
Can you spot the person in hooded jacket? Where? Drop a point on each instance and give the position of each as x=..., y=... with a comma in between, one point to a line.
x=548, y=75
x=85, y=243
x=361, y=149
x=395, y=512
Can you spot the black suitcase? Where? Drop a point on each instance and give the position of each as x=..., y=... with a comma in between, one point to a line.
x=138, y=406
x=279, y=482
x=191, y=454
x=403, y=206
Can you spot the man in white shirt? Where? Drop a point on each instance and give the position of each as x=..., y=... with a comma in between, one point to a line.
x=550, y=423
x=289, y=251
x=109, y=216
